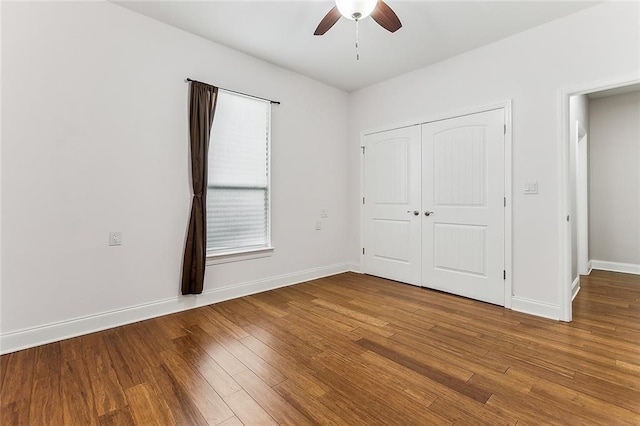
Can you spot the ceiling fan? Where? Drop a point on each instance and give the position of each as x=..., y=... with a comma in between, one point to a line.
x=356, y=10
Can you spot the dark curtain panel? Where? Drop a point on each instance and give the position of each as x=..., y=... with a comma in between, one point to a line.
x=201, y=110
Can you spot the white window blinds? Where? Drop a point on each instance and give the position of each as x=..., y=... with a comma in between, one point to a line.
x=238, y=185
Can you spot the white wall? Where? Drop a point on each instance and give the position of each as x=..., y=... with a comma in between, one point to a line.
x=578, y=112
x=531, y=68
x=614, y=176
x=95, y=138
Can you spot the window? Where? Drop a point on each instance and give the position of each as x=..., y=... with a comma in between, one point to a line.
x=238, y=186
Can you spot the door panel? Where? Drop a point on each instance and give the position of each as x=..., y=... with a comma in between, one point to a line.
x=390, y=168
x=463, y=187
x=392, y=182
x=392, y=239
x=460, y=248
x=459, y=159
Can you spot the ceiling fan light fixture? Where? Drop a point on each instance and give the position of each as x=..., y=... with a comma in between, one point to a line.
x=356, y=9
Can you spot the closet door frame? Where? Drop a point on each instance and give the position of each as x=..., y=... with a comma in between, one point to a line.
x=508, y=211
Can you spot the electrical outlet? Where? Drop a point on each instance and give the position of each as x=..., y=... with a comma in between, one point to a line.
x=115, y=238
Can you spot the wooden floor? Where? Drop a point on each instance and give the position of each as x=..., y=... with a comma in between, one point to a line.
x=344, y=350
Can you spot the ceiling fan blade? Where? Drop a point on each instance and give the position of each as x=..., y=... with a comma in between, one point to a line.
x=386, y=17
x=328, y=21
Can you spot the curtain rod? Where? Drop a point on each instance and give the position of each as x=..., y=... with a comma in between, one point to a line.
x=233, y=91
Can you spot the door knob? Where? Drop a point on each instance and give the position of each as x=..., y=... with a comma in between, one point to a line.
x=428, y=213
x=415, y=212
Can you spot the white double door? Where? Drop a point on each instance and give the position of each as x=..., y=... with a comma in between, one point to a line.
x=433, y=212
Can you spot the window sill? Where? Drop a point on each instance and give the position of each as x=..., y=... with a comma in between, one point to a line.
x=237, y=256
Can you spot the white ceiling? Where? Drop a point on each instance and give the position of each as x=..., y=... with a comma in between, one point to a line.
x=281, y=32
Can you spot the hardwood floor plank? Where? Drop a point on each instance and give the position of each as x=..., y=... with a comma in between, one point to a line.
x=48, y=360
x=328, y=318
x=215, y=375
x=82, y=346
x=469, y=352
x=320, y=334
x=297, y=372
x=129, y=369
x=46, y=402
x=424, y=392
x=461, y=386
x=258, y=366
x=594, y=408
x=347, y=410
x=172, y=326
x=612, y=393
x=107, y=393
x=15, y=413
x=382, y=330
x=247, y=410
x=146, y=407
x=468, y=412
x=588, y=364
x=350, y=313
x=216, y=350
x=236, y=314
x=310, y=405
x=121, y=417
x=203, y=396
x=265, y=307
x=629, y=367
x=529, y=410
x=362, y=375
x=78, y=400
x=276, y=406
x=438, y=360
x=233, y=421
x=374, y=401
x=295, y=294
x=15, y=389
x=155, y=339
x=20, y=368
x=215, y=315
x=284, y=342
x=181, y=406
x=4, y=364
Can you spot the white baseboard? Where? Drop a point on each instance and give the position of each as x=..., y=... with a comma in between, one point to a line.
x=354, y=267
x=535, y=307
x=23, y=339
x=575, y=287
x=627, y=268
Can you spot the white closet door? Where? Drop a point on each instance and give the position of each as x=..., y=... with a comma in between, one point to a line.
x=392, y=218
x=463, y=206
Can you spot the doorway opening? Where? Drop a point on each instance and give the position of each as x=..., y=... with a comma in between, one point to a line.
x=582, y=209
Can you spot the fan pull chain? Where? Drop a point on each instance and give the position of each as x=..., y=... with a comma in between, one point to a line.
x=357, y=47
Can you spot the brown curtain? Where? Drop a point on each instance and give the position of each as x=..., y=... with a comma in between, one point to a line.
x=201, y=109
